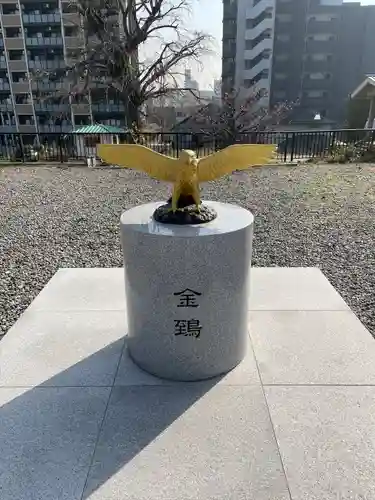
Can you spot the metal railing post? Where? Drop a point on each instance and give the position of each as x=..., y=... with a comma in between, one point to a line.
x=293, y=144
x=333, y=142
x=22, y=150
x=286, y=148
x=61, y=150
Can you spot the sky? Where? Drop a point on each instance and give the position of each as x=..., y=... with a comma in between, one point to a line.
x=207, y=16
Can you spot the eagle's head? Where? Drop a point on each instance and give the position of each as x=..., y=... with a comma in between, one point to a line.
x=188, y=157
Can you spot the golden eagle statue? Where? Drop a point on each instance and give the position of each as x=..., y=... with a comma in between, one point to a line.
x=186, y=172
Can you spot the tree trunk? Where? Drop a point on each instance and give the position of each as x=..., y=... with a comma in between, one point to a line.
x=132, y=115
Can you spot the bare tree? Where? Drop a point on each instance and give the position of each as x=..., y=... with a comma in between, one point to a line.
x=241, y=115
x=113, y=33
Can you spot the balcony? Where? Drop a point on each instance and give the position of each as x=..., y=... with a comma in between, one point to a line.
x=37, y=41
x=71, y=19
x=6, y=106
x=24, y=108
x=11, y=20
x=46, y=64
x=8, y=129
x=43, y=85
x=73, y=42
x=51, y=18
x=48, y=107
x=4, y=86
x=27, y=129
x=3, y=65
x=1, y=42
x=14, y=43
x=50, y=128
x=108, y=108
x=19, y=65
x=81, y=109
x=21, y=87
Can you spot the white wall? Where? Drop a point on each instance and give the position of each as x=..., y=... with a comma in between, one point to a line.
x=247, y=10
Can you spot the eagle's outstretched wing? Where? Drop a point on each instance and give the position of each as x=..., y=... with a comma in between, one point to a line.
x=236, y=157
x=163, y=168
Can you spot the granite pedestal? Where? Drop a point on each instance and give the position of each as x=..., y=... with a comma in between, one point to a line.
x=294, y=420
x=187, y=291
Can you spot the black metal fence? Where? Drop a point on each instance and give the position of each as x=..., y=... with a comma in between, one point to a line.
x=290, y=146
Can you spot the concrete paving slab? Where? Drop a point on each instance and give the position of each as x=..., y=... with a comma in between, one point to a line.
x=293, y=289
x=312, y=347
x=326, y=437
x=186, y=443
x=62, y=349
x=47, y=438
x=83, y=289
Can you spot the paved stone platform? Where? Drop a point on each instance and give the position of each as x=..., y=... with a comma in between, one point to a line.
x=295, y=421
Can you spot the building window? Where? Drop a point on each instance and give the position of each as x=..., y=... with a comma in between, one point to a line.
x=38, y=8
x=12, y=32
x=26, y=120
x=279, y=94
x=281, y=57
x=10, y=8
x=318, y=76
x=23, y=99
x=322, y=18
x=7, y=119
x=284, y=18
x=229, y=44
x=318, y=57
x=82, y=120
x=321, y=37
x=16, y=55
x=315, y=94
x=315, y=76
x=283, y=37
x=6, y=99
x=19, y=77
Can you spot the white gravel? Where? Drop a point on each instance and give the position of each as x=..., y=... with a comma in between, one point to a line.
x=311, y=215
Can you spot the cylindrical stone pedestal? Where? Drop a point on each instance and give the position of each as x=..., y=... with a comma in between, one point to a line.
x=187, y=290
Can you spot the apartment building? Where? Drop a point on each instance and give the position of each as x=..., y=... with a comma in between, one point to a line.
x=315, y=51
x=37, y=35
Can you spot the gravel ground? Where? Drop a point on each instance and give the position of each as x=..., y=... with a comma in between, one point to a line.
x=311, y=215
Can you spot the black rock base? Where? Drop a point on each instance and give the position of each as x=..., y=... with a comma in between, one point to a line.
x=184, y=215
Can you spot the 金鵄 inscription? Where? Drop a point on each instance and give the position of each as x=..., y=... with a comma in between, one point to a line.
x=187, y=327
x=188, y=298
